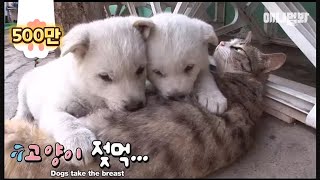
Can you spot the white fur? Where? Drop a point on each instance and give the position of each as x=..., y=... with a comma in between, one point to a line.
x=175, y=42
x=57, y=93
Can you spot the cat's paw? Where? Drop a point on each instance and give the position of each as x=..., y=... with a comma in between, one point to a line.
x=81, y=138
x=214, y=101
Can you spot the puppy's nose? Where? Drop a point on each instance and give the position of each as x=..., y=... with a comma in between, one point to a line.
x=222, y=43
x=176, y=96
x=134, y=105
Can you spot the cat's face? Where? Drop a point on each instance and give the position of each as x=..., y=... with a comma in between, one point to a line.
x=239, y=56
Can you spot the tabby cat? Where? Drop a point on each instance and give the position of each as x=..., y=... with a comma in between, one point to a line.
x=180, y=138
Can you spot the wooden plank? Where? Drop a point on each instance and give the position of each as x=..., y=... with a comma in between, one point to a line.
x=295, y=102
x=278, y=114
x=311, y=119
x=285, y=109
x=286, y=103
x=292, y=99
x=311, y=91
x=290, y=93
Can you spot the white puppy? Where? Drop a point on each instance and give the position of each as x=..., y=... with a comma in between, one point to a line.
x=178, y=63
x=102, y=64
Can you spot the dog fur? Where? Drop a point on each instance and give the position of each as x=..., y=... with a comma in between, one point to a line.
x=102, y=64
x=175, y=43
x=181, y=139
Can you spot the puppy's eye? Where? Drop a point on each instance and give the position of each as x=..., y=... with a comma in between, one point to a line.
x=158, y=72
x=105, y=77
x=139, y=70
x=188, y=68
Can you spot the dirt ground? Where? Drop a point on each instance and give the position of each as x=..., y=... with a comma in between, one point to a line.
x=281, y=150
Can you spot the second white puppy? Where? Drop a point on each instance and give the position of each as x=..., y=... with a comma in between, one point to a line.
x=102, y=65
x=178, y=63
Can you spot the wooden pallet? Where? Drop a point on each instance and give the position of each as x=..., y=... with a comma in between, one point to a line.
x=289, y=100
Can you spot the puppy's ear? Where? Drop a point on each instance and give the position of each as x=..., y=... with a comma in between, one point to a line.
x=76, y=41
x=209, y=34
x=144, y=25
x=273, y=61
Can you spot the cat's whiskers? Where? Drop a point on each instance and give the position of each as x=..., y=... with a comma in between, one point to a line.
x=226, y=64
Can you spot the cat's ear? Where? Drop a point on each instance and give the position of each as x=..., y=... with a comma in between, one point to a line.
x=209, y=34
x=273, y=61
x=248, y=38
x=144, y=25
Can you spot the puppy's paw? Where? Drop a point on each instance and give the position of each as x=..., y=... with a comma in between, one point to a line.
x=81, y=138
x=214, y=101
